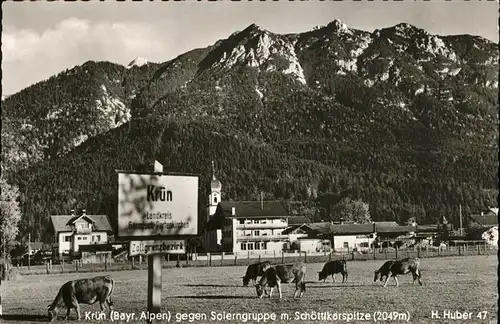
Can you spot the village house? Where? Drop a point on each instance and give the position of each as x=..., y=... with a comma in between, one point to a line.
x=348, y=236
x=328, y=236
x=35, y=247
x=247, y=227
x=73, y=232
x=487, y=218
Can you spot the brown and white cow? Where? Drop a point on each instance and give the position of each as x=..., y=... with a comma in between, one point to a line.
x=255, y=270
x=283, y=273
x=85, y=291
x=331, y=268
x=403, y=267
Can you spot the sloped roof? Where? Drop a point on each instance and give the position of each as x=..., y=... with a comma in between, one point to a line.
x=290, y=229
x=432, y=227
x=249, y=209
x=386, y=224
x=321, y=227
x=396, y=229
x=352, y=229
x=486, y=219
x=326, y=228
x=61, y=223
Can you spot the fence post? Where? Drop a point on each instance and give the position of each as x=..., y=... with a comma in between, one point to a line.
x=396, y=251
x=282, y=257
x=47, y=267
x=459, y=254
x=76, y=265
x=210, y=260
x=133, y=262
x=259, y=258
x=305, y=256
x=106, y=262
x=235, y=257
x=478, y=252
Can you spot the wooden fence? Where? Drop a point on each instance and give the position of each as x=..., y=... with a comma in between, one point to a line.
x=214, y=260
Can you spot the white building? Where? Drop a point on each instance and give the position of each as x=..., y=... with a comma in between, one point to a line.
x=73, y=231
x=243, y=226
x=326, y=236
x=253, y=226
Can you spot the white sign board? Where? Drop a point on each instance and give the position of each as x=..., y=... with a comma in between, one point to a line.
x=153, y=247
x=157, y=205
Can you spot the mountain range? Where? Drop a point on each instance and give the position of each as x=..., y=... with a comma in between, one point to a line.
x=402, y=119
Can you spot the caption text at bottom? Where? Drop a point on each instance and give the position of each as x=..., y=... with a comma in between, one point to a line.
x=244, y=317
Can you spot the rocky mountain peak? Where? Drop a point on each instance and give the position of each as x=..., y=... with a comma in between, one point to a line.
x=339, y=27
x=258, y=48
x=138, y=61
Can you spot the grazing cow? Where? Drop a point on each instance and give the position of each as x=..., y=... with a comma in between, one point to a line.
x=402, y=267
x=333, y=267
x=283, y=273
x=255, y=270
x=383, y=271
x=85, y=291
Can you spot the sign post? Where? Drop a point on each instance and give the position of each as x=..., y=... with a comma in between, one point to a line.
x=156, y=212
x=154, y=273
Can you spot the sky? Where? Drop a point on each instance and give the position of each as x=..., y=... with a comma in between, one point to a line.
x=40, y=39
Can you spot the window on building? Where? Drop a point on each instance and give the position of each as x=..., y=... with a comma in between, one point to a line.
x=242, y=221
x=215, y=199
x=98, y=237
x=85, y=238
x=250, y=246
x=256, y=233
x=264, y=245
x=79, y=238
x=67, y=238
x=364, y=244
x=346, y=245
x=243, y=246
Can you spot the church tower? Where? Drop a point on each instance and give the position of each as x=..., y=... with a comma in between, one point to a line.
x=215, y=194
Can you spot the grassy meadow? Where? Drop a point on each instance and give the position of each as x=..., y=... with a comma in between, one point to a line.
x=465, y=284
